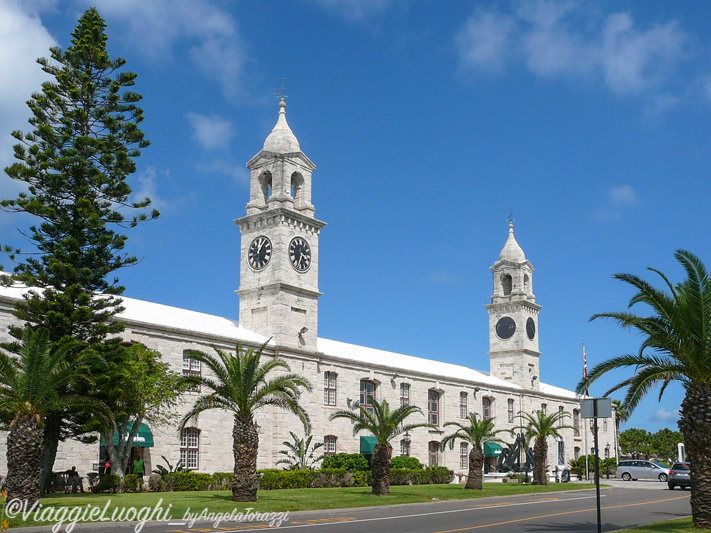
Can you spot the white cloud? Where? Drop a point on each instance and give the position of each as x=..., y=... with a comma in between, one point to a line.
x=23, y=38
x=618, y=198
x=553, y=38
x=622, y=195
x=211, y=132
x=155, y=29
x=355, y=10
x=663, y=415
x=147, y=188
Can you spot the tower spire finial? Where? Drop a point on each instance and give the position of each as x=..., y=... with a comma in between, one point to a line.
x=282, y=95
x=510, y=218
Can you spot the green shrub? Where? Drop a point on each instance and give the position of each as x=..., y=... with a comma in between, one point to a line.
x=287, y=479
x=103, y=482
x=222, y=480
x=132, y=483
x=409, y=463
x=187, y=481
x=352, y=462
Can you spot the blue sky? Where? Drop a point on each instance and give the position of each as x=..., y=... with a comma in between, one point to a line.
x=428, y=121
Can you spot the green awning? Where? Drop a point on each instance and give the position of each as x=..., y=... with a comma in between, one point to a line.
x=492, y=449
x=367, y=445
x=143, y=438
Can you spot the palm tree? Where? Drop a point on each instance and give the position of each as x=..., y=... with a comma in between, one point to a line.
x=621, y=415
x=384, y=425
x=676, y=346
x=540, y=426
x=476, y=433
x=300, y=454
x=241, y=386
x=30, y=382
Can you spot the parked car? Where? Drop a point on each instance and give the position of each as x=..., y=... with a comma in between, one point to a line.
x=679, y=476
x=641, y=469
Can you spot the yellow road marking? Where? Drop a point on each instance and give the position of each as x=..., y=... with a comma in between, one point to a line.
x=324, y=520
x=544, y=500
x=558, y=514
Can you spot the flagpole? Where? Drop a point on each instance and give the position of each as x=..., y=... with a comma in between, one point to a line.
x=585, y=429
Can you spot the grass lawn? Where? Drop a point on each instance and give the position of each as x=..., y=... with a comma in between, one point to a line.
x=680, y=525
x=281, y=500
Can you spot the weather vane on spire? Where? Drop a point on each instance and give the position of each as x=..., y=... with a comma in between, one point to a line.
x=510, y=218
x=282, y=95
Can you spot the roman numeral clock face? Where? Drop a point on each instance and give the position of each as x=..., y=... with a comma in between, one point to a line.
x=300, y=254
x=260, y=252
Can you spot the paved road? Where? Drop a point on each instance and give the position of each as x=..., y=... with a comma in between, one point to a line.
x=552, y=512
x=570, y=511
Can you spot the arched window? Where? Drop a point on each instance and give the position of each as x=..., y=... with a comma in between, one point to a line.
x=297, y=189
x=487, y=407
x=576, y=422
x=404, y=394
x=463, y=455
x=265, y=185
x=433, y=448
x=329, y=444
x=190, y=448
x=526, y=284
x=367, y=393
x=433, y=407
x=506, y=284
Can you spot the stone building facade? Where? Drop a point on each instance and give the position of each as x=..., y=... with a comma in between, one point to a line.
x=279, y=301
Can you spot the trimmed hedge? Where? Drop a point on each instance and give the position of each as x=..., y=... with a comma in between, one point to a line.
x=409, y=463
x=351, y=462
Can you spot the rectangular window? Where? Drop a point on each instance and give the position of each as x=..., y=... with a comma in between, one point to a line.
x=463, y=455
x=404, y=394
x=329, y=444
x=604, y=424
x=367, y=393
x=329, y=388
x=192, y=368
x=544, y=409
x=487, y=408
x=560, y=412
x=510, y=410
x=190, y=448
x=463, y=407
x=576, y=422
x=433, y=407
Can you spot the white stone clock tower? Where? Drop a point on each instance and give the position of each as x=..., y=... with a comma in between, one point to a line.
x=513, y=319
x=279, y=251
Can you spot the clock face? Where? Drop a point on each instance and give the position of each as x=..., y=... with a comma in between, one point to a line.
x=530, y=328
x=260, y=252
x=505, y=327
x=300, y=254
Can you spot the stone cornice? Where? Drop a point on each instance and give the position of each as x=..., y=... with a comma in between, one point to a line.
x=279, y=214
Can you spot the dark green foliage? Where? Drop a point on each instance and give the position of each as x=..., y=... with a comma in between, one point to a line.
x=132, y=483
x=188, y=481
x=350, y=462
x=408, y=463
x=103, y=482
x=161, y=470
x=75, y=163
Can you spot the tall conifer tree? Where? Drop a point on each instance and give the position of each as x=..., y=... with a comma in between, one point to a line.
x=75, y=163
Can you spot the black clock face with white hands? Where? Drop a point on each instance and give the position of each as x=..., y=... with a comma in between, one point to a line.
x=260, y=252
x=530, y=328
x=300, y=254
x=506, y=327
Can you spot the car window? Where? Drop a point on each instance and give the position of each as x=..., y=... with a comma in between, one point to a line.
x=679, y=466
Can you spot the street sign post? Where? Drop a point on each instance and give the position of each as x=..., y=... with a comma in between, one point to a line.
x=596, y=408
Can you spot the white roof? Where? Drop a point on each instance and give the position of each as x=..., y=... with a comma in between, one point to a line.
x=174, y=318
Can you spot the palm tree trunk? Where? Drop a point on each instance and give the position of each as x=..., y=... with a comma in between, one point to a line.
x=540, y=451
x=475, y=480
x=695, y=425
x=245, y=446
x=50, y=444
x=24, y=452
x=380, y=464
